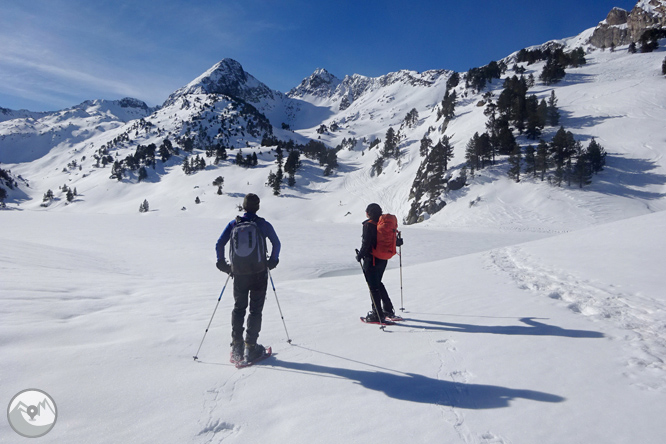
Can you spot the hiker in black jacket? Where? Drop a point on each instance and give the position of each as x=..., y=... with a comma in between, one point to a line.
x=374, y=267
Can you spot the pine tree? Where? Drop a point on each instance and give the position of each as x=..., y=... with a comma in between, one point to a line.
x=48, y=196
x=552, y=72
x=533, y=128
x=390, y=144
x=412, y=117
x=277, y=183
x=541, y=159
x=505, y=142
x=293, y=163
x=452, y=81
x=331, y=162
x=219, y=183
x=117, y=171
x=448, y=106
x=472, y=154
x=582, y=170
x=530, y=161
x=426, y=143
x=514, y=161
x=596, y=156
x=220, y=153
x=279, y=157
x=144, y=207
x=446, y=151
x=553, y=112
x=378, y=165
x=271, y=179
x=70, y=196
x=562, y=148
x=166, y=149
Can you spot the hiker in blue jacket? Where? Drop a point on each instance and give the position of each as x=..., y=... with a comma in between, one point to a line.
x=250, y=281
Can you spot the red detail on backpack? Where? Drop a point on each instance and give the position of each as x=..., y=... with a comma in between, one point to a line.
x=387, y=232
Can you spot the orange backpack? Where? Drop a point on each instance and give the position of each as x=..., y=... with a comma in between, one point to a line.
x=387, y=233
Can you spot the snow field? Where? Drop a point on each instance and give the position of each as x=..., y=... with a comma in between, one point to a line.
x=106, y=318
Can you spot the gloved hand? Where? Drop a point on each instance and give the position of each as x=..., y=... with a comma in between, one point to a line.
x=358, y=257
x=272, y=263
x=399, y=242
x=223, y=266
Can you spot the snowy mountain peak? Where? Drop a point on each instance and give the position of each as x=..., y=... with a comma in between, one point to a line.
x=320, y=84
x=227, y=77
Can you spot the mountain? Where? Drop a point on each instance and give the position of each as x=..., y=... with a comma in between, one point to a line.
x=104, y=149
x=320, y=84
x=226, y=78
x=27, y=136
x=622, y=27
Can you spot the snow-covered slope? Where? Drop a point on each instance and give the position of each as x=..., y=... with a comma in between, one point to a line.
x=534, y=313
x=507, y=338
x=27, y=136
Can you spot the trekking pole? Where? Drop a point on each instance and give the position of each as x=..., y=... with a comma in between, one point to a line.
x=211, y=318
x=280, y=309
x=381, y=326
x=402, y=308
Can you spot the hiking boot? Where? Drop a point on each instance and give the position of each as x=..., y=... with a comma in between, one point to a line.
x=253, y=351
x=372, y=317
x=237, y=349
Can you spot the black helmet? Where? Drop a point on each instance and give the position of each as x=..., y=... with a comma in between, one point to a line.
x=251, y=203
x=374, y=211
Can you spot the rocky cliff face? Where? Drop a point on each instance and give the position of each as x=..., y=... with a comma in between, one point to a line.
x=622, y=27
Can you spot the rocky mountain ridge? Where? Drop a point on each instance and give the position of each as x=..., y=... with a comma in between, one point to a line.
x=622, y=27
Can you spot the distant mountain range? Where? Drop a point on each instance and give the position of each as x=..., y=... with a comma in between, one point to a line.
x=226, y=108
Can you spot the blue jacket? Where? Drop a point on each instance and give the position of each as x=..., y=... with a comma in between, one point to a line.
x=266, y=229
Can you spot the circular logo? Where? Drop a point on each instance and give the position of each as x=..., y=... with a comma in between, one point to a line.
x=32, y=413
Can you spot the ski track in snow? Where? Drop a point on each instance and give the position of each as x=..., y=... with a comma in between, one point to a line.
x=642, y=323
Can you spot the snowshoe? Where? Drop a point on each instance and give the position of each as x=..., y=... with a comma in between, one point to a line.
x=236, y=355
x=372, y=318
x=253, y=355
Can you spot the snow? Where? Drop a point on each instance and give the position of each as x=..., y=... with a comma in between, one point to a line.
x=533, y=314
x=108, y=310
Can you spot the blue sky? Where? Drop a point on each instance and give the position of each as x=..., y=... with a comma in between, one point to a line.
x=57, y=53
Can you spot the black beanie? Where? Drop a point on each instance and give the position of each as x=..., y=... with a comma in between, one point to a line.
x=374, y=211
x=251, y=203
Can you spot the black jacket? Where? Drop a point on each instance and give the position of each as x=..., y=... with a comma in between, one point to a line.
x=369, y=239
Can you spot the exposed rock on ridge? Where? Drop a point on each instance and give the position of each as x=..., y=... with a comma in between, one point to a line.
x=622, y=27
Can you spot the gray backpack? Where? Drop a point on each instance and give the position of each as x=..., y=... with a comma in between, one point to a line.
x=247, y=249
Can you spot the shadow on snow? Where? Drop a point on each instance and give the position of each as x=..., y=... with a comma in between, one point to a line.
x=413, y=387
x=531, y=328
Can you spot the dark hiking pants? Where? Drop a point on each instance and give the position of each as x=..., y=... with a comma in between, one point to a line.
x=374, y=272
x=248, y=289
